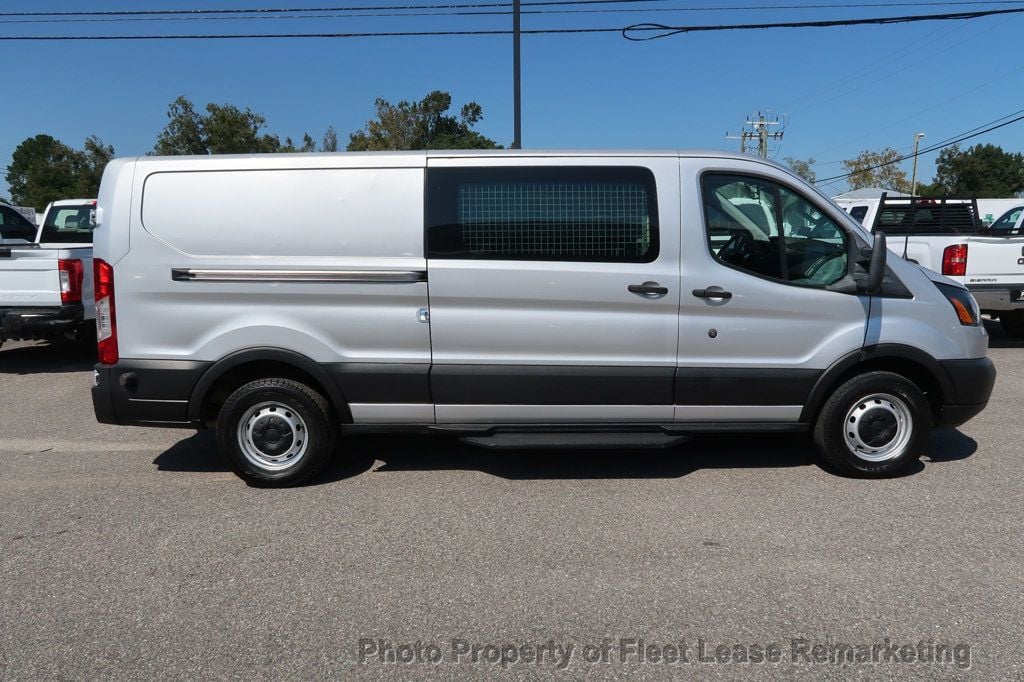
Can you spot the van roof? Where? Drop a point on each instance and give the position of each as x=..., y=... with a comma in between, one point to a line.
x=485, y=153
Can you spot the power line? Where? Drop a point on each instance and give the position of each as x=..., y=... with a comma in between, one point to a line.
x=940, y=142
x=960, y=94
x=927, y=150
x=482, y=5
x=927, y=57
x=837, y=82
x=300, y=10
x=437, y=11
x=668, y=31
x=662, y=30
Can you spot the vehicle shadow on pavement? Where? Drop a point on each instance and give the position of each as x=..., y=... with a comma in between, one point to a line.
x=997, y=338
x=422, y=454
x=47, y=358
x=359, y=454
x=198, y=453
x=949, y=445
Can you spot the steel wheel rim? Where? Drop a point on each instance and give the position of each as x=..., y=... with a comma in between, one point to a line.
x=272, y=436
x=878, y=427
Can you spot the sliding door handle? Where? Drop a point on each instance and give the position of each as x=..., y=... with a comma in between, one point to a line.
x=712, y=292
x=648, y=290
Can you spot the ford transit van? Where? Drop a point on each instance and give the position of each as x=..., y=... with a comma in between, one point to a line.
x=519, y=299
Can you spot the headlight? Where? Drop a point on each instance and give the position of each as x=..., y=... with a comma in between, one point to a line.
x=963, y=303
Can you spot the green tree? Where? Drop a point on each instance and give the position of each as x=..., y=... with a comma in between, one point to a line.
x=96, y=155
x=185, y=133
x=980, y=171
x=44, y=169
x=308, y=145
x=330, y=141
x=222, y=129
x=421, y=125
x=229, y=130
x=877, y=169
x=802, y=168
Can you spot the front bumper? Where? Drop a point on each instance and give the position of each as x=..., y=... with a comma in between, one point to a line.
x=997, y=297
x=26, y=324
x=972, y=382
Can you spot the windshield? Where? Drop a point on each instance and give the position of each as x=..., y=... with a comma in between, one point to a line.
x=69, y=224
x=13, y=225
x=1007, y=221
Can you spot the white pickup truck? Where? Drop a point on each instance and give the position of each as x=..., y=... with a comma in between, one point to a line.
x=946, y=235
x=46, y=272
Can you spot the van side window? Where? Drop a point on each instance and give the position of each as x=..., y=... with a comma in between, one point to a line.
x=592, y=213
x=766, y=229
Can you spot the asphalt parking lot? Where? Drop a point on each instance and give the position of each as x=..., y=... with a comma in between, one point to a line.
x=136, y=553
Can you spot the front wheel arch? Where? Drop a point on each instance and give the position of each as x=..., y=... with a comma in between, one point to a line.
x=909, y=362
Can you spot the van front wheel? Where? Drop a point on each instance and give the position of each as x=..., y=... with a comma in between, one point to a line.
x=276, y=432
x=874, y=425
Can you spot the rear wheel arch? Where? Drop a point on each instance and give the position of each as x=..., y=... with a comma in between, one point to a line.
x=912, y=363
x=233, y=371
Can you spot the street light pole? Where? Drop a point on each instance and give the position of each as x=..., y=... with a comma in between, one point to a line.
x=913, y=176
x=517, y=120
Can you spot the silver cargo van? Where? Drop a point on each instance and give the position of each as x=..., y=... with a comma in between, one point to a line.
x=519, y=298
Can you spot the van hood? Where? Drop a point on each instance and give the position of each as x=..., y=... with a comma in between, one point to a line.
x=941, y=279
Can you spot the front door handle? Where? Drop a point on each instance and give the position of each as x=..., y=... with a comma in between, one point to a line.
x=648, y=290
x=712, y=292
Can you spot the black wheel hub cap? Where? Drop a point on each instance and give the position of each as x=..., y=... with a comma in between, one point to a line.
x=272, y=435
x=878, y=427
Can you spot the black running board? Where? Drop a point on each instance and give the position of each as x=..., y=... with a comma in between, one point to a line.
x=576, y=441
x=605, y=430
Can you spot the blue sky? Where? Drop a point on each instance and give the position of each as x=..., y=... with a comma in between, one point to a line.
x=842, y=89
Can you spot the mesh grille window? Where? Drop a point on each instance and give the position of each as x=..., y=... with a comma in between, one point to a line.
x=593, y=213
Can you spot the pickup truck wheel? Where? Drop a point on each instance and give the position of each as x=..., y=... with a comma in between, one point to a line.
x=276, y=432
x=1013, y=322
x=874, y=425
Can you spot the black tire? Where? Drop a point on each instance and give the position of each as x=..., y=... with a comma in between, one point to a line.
x=1013, y=322
x=872, y=423
x=289, y=417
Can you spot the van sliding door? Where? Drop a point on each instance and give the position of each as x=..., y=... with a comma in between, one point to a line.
x=554, y=289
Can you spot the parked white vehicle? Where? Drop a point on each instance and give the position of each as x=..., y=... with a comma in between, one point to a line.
x=520, y=299
x=947, y=237
x=46, y=272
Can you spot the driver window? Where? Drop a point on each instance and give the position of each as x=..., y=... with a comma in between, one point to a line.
x=763, y=228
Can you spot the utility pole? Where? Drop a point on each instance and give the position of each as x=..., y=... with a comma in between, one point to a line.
x=758, y=130
x=913, y=176
x=517, y=117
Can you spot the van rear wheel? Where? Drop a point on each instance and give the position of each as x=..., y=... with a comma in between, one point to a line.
x=874, y=425
x=276, y=432
x=1012, y=322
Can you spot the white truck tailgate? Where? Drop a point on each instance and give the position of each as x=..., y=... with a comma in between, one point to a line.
x=28, y=277
x=995, y=260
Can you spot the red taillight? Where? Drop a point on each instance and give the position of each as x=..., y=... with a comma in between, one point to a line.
x=70, y=274
x=954, y=260
x=106, y=318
